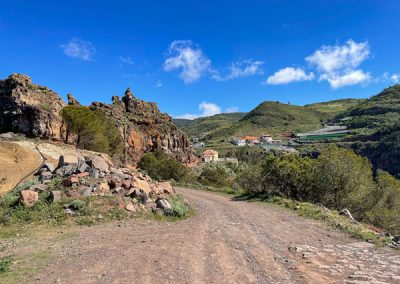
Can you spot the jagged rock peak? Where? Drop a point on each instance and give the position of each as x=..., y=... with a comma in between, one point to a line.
x=72, y=101
x=29, y=108
x=20, y=78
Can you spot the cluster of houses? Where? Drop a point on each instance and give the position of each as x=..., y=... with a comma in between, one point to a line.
x=253, y=140
x=268, y=143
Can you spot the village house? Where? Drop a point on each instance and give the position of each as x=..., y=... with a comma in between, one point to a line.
x=266, y=138
x=251, y=140
x=239, y=141
x=209, y=156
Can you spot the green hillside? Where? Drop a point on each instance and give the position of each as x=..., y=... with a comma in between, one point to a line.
x=376, y=123
x=209, y=125
x=378, y=113
x=268, y=117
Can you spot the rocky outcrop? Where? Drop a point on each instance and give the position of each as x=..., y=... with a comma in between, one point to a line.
x=145, y=129
x=36, y=111
x=29, y=108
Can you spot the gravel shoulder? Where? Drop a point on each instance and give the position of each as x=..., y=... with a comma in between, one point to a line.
x=225, y=242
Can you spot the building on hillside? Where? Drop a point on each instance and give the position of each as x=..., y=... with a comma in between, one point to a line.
x=288, y=134
x=329, y=132
x=238, y=141
x=199, y=145
x=266, y=138
x=251, y=140
x=209, y=156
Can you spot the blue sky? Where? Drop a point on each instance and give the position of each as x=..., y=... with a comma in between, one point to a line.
x=199, y=58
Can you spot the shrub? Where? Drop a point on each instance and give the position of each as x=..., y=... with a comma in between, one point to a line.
x=180, y=208
x=160, y=166
x=217, y=177
x=343, y=179
x=386, y=199
x=290, y=175
x=93, y=130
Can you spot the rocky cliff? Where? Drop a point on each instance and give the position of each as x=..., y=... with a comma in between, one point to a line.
x=36, y=111
x=30, y=109
x=145, y=128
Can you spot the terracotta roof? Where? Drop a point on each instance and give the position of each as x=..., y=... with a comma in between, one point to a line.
x=209, y=152
x=250, y=138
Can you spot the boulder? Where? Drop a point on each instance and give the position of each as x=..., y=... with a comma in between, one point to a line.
x=38, y=187
x=45, y=175
x=98, y=163
x=104, y=187
x=55, y=195
x=29, y=197
x=8, y=135
x=71, y=180
x=130, y=207
x=162, y=187
x=65, y=170
x=141, y=184
x=49, y=166
x=84, y=174
x=67, y=160
x=141, y=195
x=94, y=173
x=82, y=166
x=87, y=191
x=164, y=205
x=115, y=182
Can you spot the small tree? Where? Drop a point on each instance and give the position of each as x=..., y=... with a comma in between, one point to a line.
x=343, y=178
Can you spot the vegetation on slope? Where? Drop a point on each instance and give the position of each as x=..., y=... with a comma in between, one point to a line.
x=92, y=130
x=209, y=126
x=268, y=117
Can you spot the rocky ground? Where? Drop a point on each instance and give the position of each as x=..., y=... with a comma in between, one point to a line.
x=226, y=242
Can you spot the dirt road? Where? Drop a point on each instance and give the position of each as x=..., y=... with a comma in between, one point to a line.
x=226, y=242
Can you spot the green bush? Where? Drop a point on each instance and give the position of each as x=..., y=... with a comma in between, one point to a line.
x=217, y=177
x=92, y=130
x=386, y=199
x=343, y=179
x=338, y=178
x=160, y=166
x=180, y=208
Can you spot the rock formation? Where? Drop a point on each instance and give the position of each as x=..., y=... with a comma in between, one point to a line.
x=29, y=108
x=36, y=111
x=145, y=129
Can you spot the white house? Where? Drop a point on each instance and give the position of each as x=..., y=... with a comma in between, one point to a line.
x=239, y=142
x=266, y=138
x=209, y=156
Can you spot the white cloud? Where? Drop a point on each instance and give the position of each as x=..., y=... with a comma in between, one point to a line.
x=395, y=78
x=330, y=58
x=159, y=84
x=349, y=77
x=126, y=60
x=207, y=109
x=288, y=75
x=338, y=64
x=187, y=57
x=78, y=48
x=240, y=69
x=232, y=109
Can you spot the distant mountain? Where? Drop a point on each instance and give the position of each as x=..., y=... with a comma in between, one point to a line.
x=268, y=117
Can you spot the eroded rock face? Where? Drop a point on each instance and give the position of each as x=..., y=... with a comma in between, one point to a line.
x=29, y=108
x=36, y=111
x=145, y=129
